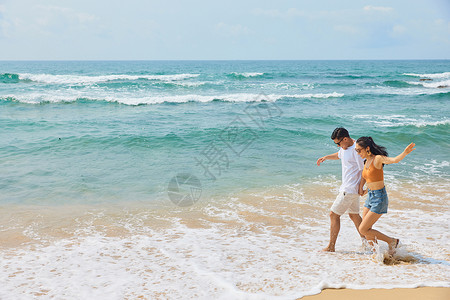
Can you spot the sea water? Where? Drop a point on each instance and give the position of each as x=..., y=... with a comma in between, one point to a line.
x=198, y=179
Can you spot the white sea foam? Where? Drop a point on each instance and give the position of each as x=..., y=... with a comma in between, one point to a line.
x=227, y=97
x=412, y=91
x=280, y=85
x=189, y=83
x=248, y=74
x=433, y=167
x=83, y=79
x=242, y=250
x=432, y=76
x=132, y=99
x=318, y=95
x=400, y=120
x=432, y=84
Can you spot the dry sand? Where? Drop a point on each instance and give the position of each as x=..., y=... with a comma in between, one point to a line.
x=422, y=293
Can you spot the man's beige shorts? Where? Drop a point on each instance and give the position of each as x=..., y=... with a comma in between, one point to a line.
x=346, y=202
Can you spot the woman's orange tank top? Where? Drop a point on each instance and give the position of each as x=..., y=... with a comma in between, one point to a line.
x=372, y=174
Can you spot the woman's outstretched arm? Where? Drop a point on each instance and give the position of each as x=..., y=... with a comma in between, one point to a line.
x=393, y=160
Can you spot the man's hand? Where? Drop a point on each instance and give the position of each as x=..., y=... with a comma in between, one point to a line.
x=333, y=156
x=320, y=160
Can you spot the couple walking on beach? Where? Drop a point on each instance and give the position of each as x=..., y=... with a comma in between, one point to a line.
x=362, y=164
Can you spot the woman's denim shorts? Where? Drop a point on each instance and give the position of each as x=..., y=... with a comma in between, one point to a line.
x=377, y=201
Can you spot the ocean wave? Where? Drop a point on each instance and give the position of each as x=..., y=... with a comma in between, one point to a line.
x=47, y=98
x=181, y=83
x=397, y=83
x=432, y=84
x=433, y=167
x=433, y=76
x=440, y=95
x=400, y=121
x=244, y=75
x=348, y=76
x=84, y=79
x=318, y=96
x=9, y=77
x=414, y=90
x=426, y=123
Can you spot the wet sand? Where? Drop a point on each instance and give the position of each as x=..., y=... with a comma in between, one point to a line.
x=273, y=208
x=258, y=242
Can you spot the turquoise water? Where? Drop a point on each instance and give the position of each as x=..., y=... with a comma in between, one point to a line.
x=89, y=152
x=88, y=132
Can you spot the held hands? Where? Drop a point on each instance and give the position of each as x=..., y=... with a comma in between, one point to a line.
x=409, y=148
x=362, y=191
x=320, y=160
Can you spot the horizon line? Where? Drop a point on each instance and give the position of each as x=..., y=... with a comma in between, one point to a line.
x=111, y=60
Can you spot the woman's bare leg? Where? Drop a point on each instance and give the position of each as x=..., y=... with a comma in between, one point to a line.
x=371, y=234
x=365, y=211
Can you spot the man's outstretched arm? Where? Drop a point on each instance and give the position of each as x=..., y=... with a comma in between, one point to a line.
x=333, y=156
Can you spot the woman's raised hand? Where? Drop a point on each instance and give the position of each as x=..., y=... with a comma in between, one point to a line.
x=410, y=148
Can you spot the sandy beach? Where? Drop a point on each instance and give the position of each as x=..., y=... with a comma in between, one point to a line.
x=429, y=293
x=258, y=245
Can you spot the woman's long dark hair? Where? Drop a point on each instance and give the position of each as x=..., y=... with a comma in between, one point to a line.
x=367, y=141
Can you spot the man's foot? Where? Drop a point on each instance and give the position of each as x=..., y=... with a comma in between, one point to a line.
x=393, y=246
x=328, y=249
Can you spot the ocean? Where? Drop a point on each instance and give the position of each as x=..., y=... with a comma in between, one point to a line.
x=198, y=179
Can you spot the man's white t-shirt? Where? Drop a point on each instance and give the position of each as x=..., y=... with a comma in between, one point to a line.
x=352, y=166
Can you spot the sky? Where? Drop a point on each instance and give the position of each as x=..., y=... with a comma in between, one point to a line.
x=224, y=30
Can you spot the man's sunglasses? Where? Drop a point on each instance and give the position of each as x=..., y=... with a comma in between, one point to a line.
x=339, y=143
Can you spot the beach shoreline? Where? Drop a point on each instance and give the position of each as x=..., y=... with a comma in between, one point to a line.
x=198, y=180
x=419, y=293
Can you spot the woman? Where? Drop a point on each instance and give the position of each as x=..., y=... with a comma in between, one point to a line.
x=377, y=201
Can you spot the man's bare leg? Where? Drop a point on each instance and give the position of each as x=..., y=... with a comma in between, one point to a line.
x=335, y=226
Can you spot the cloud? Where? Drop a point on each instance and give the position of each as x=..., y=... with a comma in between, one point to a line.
x=440, y=31
x=398, y=30
x=5, y=25
x=275, y=13
x=50, y=12
x=383, y=9
x=85, y=17
x=232, y=30
x=42, y=22
x=347, y=29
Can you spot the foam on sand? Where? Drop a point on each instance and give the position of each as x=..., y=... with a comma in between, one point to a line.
x=418, y=293
x=260, y=245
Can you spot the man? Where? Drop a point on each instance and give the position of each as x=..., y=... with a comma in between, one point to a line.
x=348, y=197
